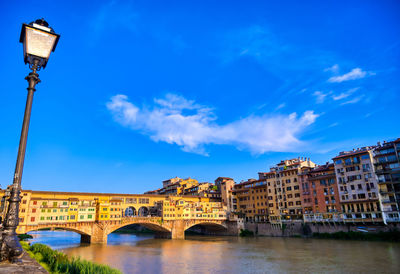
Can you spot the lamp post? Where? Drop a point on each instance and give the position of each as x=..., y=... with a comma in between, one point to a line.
x=39, y=40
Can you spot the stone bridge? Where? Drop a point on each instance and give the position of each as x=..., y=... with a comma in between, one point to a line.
x=97, y=232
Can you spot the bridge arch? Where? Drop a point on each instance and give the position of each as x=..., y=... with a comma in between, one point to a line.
x=215, y=225
x=143, y=211
x=153, y=225
x=130, y=211
x=72, y=229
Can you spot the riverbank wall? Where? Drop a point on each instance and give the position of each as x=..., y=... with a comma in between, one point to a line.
x=294, y=229
x=307, y=229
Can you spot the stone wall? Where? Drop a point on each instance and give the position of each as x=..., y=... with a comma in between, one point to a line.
x=275, y=230
x=296, y=229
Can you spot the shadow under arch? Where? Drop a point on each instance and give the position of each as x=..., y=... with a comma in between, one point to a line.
x=58, y=228
x=151, y=226
x=207, y=228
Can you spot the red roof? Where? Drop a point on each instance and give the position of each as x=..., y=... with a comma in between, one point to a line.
x=347, y=154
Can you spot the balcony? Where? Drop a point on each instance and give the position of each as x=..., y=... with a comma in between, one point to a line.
x=392, y=216
x=388, y=201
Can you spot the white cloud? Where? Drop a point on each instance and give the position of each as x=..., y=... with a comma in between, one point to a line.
x=280, y=106
x=353, y=101
x=356, y=73
x=176, y=120
x=334, y=68
x=320, y=96
x=344, y=95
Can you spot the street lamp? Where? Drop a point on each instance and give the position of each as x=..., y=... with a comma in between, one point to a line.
x=39, y=40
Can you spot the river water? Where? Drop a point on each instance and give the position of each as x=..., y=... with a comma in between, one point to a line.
x=207, y=254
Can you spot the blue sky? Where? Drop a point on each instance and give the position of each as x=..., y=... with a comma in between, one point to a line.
x=141, y=91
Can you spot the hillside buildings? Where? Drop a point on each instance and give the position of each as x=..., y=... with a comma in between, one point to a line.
x=360, y=186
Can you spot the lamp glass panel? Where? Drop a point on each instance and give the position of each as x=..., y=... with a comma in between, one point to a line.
x=38, y=42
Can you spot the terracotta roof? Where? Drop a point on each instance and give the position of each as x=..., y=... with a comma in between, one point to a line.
x=271, y=172
x=322, y=168
x=350, y=153
x=227, y=178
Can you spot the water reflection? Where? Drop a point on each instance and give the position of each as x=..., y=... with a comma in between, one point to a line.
x=203, y=254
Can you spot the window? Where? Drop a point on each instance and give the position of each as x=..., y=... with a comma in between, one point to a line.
x=81, y=217
x=35, y=202
x=33, y=210
x=338, y=162
x=54, y=203
x=32, y=219
x=42, y=218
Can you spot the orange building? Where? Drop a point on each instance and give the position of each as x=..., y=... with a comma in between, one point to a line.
x=320, y=195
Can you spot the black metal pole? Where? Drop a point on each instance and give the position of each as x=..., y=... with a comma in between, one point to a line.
x=10, y=247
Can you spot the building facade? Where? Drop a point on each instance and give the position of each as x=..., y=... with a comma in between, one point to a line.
x=320, y=195
x=387, y=169
x=358, y=187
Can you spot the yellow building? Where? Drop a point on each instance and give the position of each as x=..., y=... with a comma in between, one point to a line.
x=51, y=210
x=43, y=207
x=73, y=210
x=87, y=211
x=103, y=209
x=184, y=184
x=197, y=208
x=116, y=208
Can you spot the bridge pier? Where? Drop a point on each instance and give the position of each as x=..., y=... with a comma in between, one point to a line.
x=99, y=235
x=178, y=230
